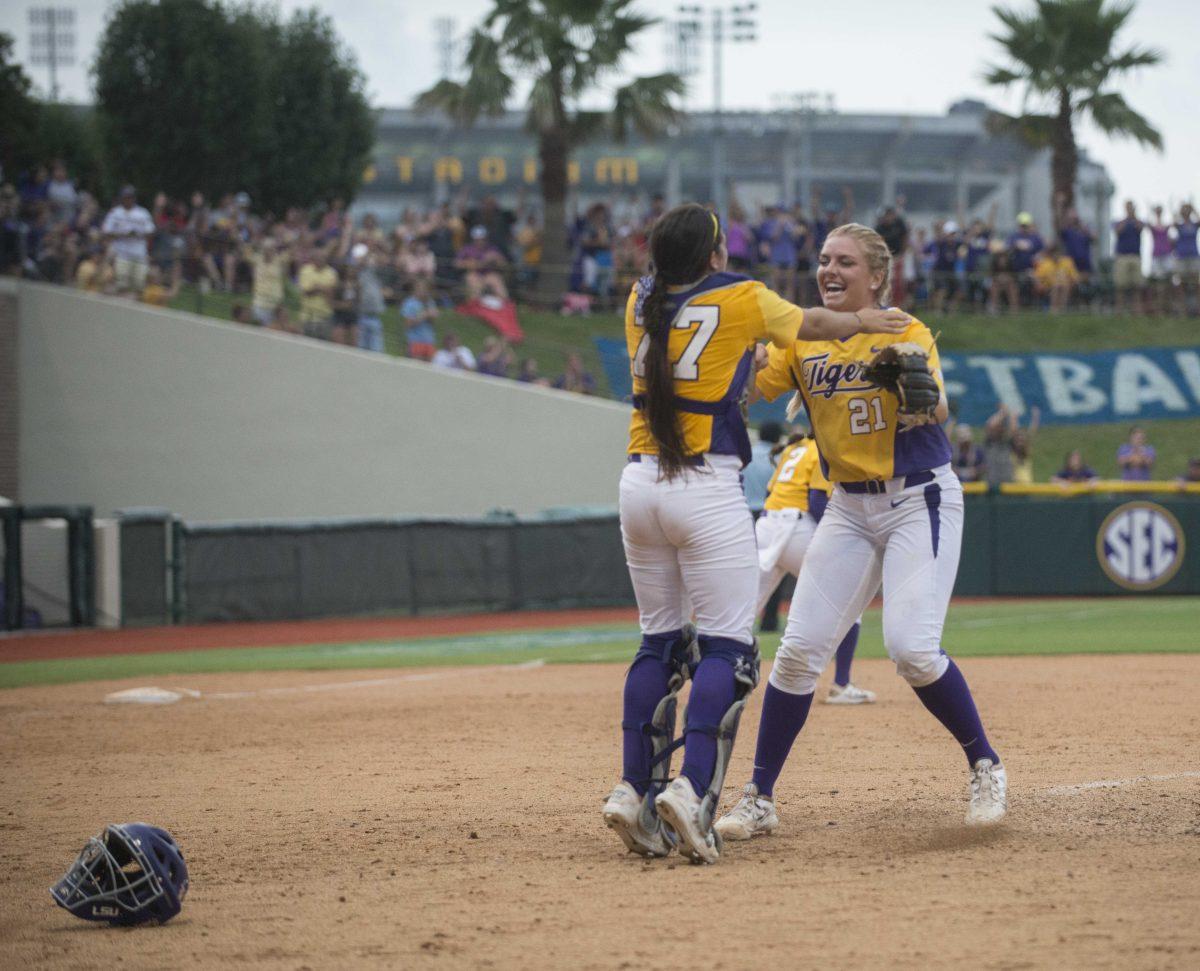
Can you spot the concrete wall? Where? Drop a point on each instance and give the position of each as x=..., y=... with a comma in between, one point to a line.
x=9, y=408
x=123, y=405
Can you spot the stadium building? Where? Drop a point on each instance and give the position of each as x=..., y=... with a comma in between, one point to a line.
x=944, y=166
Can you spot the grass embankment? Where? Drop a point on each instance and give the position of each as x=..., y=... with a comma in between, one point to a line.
x=550, y=337
x=1025, y=627
x=1176, y=440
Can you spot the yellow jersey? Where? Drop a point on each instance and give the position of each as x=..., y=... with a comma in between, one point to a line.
x=156, y=294
x=797, y=471
x=855, y=424
x=1051, y=270
x=316, y=308
x=714, y=328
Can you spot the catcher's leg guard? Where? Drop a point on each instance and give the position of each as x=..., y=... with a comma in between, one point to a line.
x=677, y=650
x=745, y=661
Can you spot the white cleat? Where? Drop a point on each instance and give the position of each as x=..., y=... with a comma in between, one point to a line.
x=989, y=794
x=754, y=815
x=679, y=809
x=622, y=814
x=849, y=695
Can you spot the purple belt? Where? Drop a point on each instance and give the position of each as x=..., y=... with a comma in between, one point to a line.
x=697, y=460
x=876, y=487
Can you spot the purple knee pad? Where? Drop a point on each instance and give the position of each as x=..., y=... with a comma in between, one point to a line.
x=659, y=669
x=726, y=674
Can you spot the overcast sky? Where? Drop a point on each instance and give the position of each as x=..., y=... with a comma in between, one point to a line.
x=872, y=55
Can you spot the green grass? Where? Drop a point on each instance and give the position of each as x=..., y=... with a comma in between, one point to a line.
x=1176, y=440
x=509, y=647
x=1027, y=332
x=1098, y=626
x=550, y=337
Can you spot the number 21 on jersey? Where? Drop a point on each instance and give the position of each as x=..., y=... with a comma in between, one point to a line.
x=687, y=368
x=866, y=416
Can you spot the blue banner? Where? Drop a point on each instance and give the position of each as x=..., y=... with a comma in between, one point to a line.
x=1122, y=386
x=1109, y=386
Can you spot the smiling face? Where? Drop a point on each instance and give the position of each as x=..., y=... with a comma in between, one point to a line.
x=844, y=278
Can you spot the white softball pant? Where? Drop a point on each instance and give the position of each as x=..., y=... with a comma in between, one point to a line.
x=910, y=538
x=690, y=539
x=783, y=536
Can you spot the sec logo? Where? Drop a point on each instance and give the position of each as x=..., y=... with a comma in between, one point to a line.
x=1140, y=546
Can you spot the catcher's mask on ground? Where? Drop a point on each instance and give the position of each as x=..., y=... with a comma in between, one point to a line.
x=131, y=873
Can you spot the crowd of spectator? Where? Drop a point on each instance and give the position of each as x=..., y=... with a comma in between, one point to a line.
x=324, y=274
x=1006, y=454
x=979, y=266
x=346, y=268
x=331, y=275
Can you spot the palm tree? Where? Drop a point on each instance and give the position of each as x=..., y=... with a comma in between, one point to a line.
x=567, y=48
x=1064, y=53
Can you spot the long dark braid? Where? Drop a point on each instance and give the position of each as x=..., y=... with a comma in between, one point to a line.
x=681, y=243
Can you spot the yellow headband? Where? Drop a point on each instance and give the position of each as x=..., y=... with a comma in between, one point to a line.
x=716, y=229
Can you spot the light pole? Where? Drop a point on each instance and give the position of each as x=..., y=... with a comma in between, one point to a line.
x=741, y=26
x=683, y=43
x=443, y=30
x=52, y=40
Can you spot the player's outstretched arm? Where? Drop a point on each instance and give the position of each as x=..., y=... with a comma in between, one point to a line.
x=821, y=324
x=784, y=323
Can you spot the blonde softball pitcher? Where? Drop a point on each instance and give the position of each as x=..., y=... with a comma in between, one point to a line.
x=895, y=516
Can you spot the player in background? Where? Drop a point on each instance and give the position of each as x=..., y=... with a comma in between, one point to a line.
x=896, y=516
x=756, y=480
x=691, y=329
x=796, y=498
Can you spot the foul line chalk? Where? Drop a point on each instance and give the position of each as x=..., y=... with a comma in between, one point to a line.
x=310, y=688
x=341, y=685
x=1117, y=783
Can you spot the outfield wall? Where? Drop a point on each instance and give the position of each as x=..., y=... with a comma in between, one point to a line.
x=122, y=405
x=1024, y=546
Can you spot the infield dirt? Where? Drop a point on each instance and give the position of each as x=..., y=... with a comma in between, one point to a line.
x=451, y=818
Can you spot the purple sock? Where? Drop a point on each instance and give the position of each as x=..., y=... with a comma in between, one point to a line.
x=783, y=715
x=645, y=686
x=950, y=701
x=713, y=691
x=845, y=657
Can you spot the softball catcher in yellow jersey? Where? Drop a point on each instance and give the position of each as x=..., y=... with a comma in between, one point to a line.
x=796, y=498
x=896, y=516
x=691, y=330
